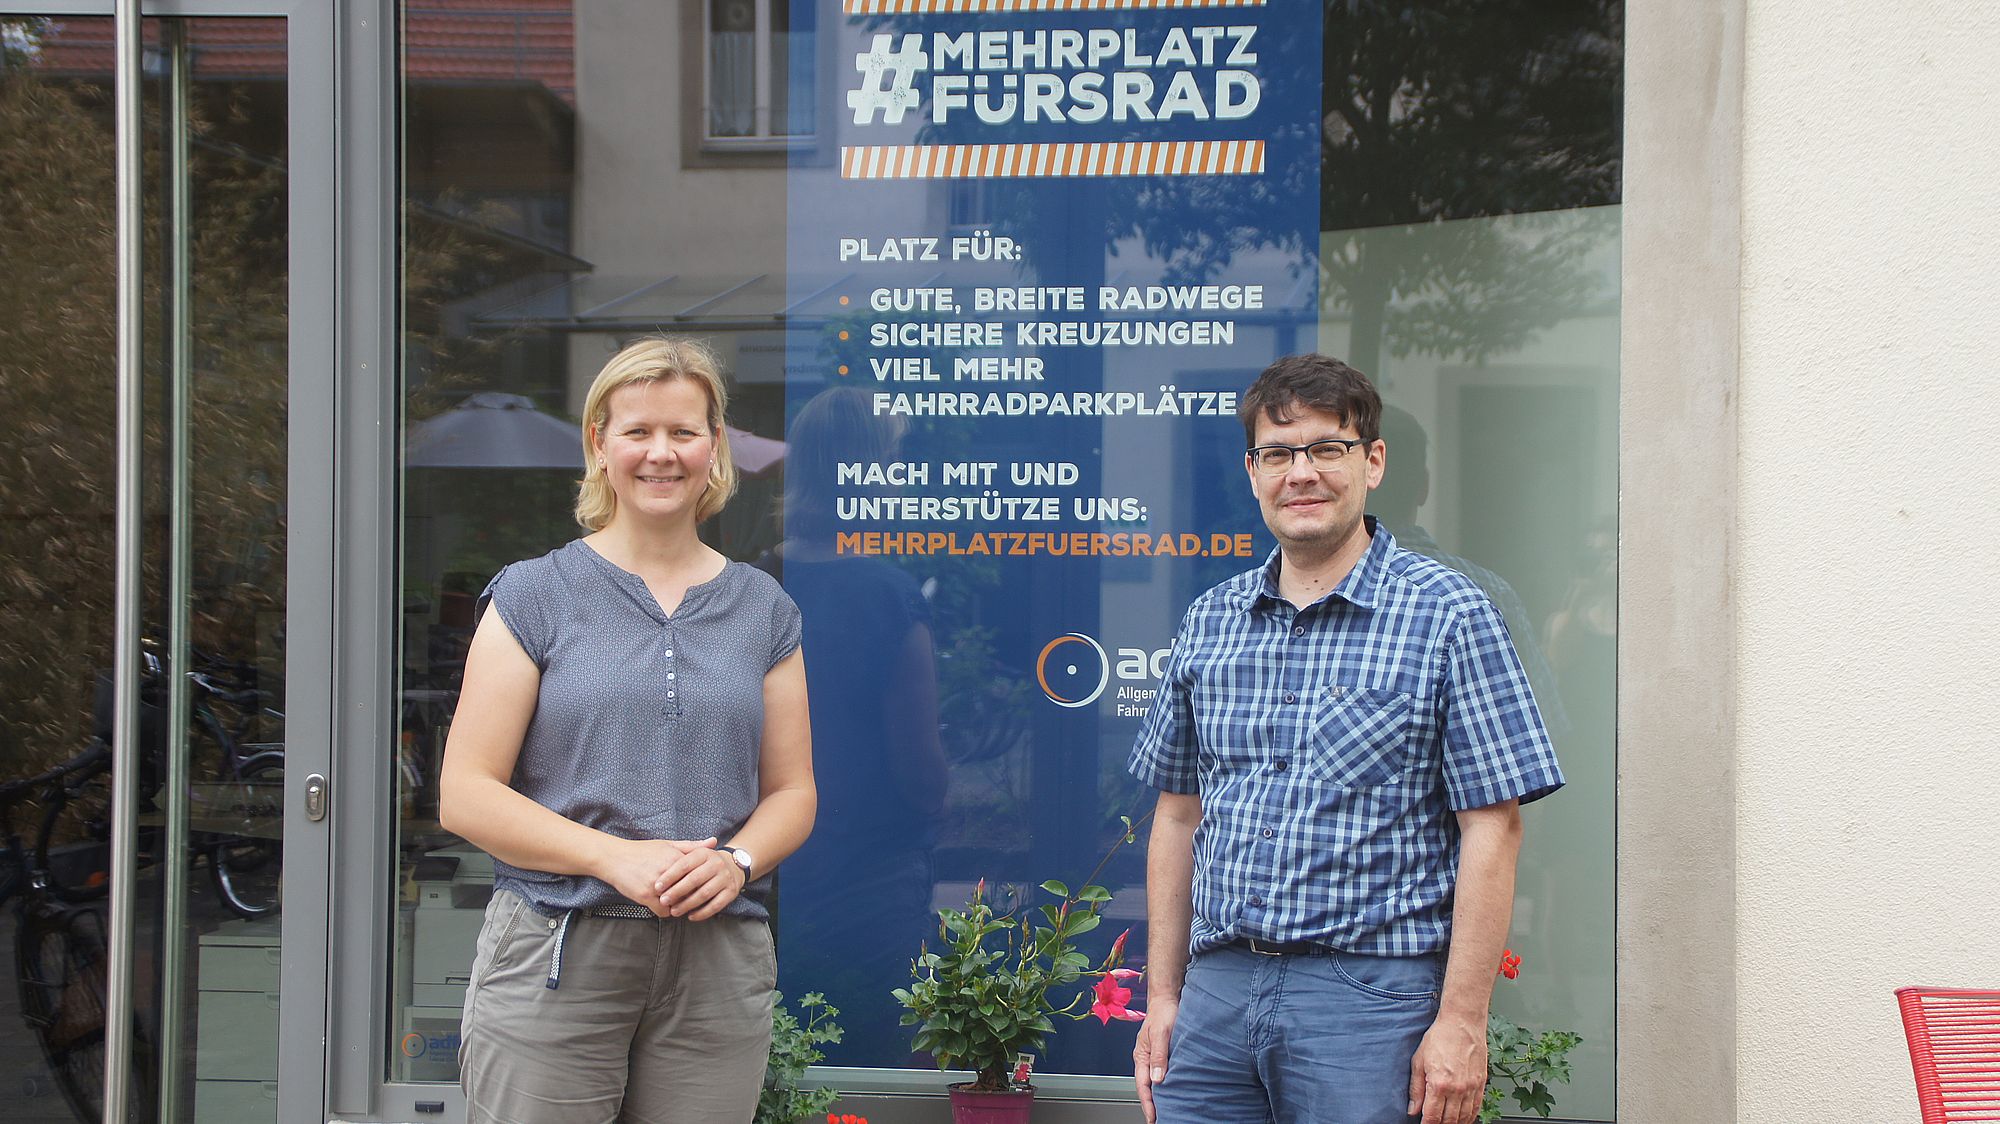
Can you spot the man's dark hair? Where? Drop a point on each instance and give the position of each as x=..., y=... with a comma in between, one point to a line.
x=1316, y=382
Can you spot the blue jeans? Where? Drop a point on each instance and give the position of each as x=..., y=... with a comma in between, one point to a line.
x=1297, y=1039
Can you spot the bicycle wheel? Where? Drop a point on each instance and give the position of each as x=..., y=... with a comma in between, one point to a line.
x=60, y=966
x=249, y=868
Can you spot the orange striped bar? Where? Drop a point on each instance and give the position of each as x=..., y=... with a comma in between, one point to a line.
x=978, y=161
x=939, y=7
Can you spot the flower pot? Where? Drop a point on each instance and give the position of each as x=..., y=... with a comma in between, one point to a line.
x=1010, y=1107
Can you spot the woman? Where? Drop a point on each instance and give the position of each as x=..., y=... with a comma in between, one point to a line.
x=631, y=745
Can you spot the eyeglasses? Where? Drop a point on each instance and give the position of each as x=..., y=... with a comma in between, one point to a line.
x=1323, y=456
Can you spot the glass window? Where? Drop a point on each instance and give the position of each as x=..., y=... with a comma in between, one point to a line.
x=214, y=462
x=759, y=70
x=1468, y=182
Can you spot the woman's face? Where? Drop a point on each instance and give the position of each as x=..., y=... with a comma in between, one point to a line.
x=656, y=446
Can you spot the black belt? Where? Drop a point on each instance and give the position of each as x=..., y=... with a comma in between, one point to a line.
x=629, y=910
x=1282, y=948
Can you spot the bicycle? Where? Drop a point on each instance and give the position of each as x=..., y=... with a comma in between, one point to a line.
x=243, y=810
x=237, y=803
x=59, y=937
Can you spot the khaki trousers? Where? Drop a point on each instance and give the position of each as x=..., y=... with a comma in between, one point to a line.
x=654, y=1021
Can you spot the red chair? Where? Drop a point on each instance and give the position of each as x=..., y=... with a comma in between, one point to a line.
x=1954, y=1035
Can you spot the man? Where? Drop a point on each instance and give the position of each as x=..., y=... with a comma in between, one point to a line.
x=1342, y=743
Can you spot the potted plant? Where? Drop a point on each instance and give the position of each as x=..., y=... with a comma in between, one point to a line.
x=990, y=991
x=1522, y=1064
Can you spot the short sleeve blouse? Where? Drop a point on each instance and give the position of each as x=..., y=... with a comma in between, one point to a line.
x=647, y=725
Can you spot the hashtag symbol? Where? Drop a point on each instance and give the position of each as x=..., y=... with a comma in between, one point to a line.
x=878, y=90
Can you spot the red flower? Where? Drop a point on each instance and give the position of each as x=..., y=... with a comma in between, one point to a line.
x=1510, y=964
x=1111, y=998
x=1118, y=948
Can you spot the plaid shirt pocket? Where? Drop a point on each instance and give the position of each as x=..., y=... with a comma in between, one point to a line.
x=1357, y=737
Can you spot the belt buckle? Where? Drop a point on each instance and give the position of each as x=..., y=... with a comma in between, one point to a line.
x=1263, y=948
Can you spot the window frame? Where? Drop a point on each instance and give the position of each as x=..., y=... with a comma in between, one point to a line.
x=699, y=149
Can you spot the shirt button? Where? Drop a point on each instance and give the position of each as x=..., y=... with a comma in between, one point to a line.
x=1256, y=900
x=670, y=653
x=670, y=675
x=1267, y=833
x=1298, y=630
x=1281, y=765
x=670, y=694
x=1290, y=697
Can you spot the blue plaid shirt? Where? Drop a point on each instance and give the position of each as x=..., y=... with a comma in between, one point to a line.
x=1332, y=745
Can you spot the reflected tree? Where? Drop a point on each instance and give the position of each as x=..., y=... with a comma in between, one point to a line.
x=57, y=342
x=1455, y=109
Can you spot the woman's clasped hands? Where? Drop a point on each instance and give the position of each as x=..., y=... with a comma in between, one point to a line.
x=673, y=877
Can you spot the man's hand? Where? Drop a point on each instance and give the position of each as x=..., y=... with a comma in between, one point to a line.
x=1448, y=1073
x=699, y=883
x=1149, y=1053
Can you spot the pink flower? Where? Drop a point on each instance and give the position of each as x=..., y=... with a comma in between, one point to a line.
x=1118, y=948
x=1111, y=999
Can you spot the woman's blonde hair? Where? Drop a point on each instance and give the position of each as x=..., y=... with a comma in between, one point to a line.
x=653, y=359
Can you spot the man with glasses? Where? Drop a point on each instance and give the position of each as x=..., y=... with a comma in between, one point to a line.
x=1342, y=742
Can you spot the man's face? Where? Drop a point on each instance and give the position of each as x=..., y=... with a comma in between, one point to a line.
x=1312, y=511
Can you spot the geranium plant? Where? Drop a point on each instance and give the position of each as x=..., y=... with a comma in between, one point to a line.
x=1522, y=1064
x=795, y=1046
x=990, y=990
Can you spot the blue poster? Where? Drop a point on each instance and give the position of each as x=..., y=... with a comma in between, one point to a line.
x=1038, y=252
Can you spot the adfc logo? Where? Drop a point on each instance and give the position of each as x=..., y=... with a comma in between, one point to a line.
x=1073, y=670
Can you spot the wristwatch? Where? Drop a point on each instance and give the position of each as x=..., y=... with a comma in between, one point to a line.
x=741, y=858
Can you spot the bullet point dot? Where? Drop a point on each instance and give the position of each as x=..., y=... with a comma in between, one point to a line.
x=843, y=335
x=843, y=368
x=843, y=300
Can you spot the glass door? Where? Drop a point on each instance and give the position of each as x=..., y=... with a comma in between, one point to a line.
x=228, y=588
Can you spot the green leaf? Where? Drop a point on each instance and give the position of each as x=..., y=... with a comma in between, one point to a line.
x=1056, y=888
x=1093, y=894
x=1536, y=1099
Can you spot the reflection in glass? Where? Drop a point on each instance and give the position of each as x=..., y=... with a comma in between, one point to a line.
x=732, y=68
x=1505, y=468
x=1468, y=178
x=857, y=898
x=215, y=187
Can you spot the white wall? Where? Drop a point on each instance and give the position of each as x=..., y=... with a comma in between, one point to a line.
x=1868, y=795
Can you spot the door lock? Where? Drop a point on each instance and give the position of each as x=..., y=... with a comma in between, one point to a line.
x=316, y=796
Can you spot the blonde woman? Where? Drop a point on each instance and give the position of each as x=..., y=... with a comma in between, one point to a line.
x=632, y=747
